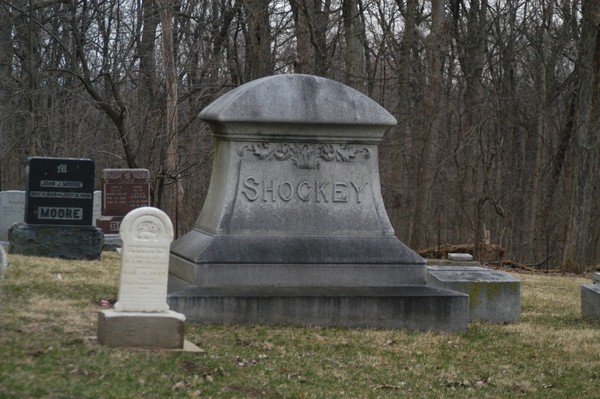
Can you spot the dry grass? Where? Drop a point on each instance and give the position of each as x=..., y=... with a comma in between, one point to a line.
x=48, y=316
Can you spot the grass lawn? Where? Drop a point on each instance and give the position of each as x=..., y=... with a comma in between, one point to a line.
x=48, y=312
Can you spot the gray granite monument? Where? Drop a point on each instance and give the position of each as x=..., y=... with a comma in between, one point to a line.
x=294, y=229
x=12, y=210
x=59, y=207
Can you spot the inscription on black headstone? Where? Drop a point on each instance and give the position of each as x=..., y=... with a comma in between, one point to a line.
x=59, y=191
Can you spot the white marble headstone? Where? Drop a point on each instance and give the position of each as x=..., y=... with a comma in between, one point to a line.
x=146, y=233
x=12, y=210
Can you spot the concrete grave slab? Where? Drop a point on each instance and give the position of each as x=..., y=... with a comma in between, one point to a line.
x=494, y=296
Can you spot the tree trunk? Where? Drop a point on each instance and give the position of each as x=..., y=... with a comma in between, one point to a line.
x=258, y=40
x=305, y=52
x=436, y=48
x=534, y=232
x=354, y=57
x=174, y=186
x=587, y=125
x=311, y=19
x=472, y=42
x=403, y=138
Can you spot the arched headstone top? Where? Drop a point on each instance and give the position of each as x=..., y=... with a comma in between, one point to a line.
x=280, y=107
x=146, y=224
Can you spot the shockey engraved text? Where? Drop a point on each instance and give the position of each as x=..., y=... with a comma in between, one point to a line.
x=316, y=191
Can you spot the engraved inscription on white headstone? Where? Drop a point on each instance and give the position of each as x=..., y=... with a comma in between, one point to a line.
x=146, y=233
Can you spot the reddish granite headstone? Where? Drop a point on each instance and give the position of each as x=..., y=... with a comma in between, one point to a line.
x=122, y=191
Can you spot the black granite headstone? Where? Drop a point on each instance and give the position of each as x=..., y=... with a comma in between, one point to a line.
x=60, y=191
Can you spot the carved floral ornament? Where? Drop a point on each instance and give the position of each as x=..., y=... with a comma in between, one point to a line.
x=304, y=155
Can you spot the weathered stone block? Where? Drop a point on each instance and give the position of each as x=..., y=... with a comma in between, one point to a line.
x=494, y=296
x=590, y=301
x=137, y=329
x=69, y=242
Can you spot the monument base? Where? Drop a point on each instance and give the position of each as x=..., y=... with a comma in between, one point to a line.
x=494, y=296
x=148, y=330
x=590, y=301
x=54, y=241
x=199, y=259
x=422, y=308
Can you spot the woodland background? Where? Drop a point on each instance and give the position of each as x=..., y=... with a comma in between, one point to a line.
x=497, y=102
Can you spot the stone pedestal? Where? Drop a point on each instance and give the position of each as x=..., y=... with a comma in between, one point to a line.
x=137, y=329
x=69, y=242
x=294, y=229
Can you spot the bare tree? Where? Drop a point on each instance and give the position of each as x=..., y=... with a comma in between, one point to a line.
x=587, y=124
x=355, y=54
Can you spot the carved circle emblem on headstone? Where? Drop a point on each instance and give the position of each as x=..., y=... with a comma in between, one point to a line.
x=146, y=233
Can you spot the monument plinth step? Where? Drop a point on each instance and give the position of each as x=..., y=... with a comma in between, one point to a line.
x=421, y=308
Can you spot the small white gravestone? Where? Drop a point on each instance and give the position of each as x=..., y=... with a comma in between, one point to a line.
x=141, y=316
x=12, y=210
x=146, y=234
